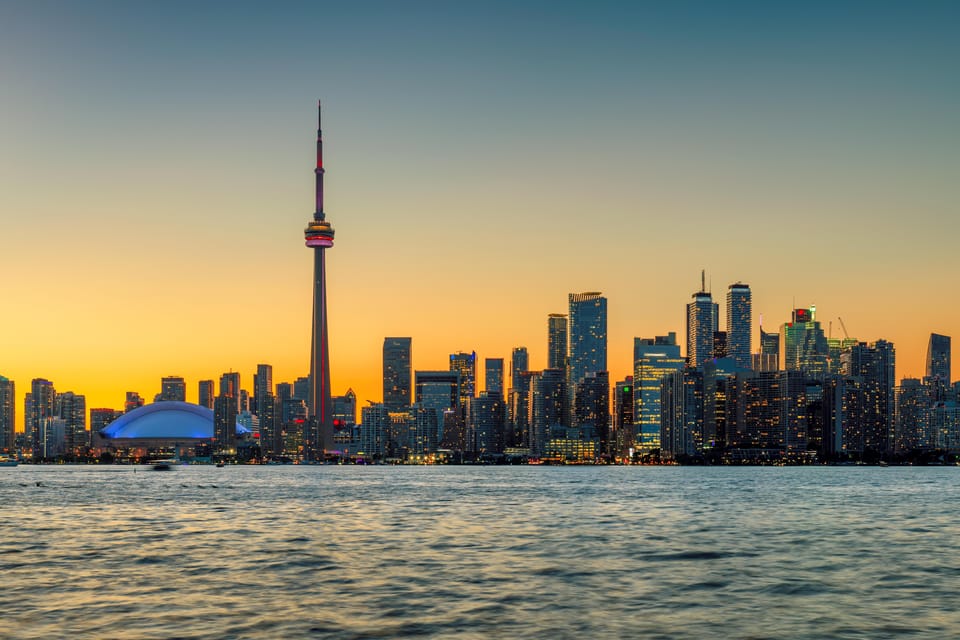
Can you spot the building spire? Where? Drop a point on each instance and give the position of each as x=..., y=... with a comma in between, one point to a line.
x=318, y=213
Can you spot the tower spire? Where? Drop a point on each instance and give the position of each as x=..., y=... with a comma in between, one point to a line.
x=318, y=213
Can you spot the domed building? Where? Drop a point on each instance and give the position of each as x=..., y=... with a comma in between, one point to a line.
x=164, y=425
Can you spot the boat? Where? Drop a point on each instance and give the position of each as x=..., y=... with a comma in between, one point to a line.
x=163, y=465
x=7, y=461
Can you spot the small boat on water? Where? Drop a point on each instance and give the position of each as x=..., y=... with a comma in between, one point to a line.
x=163, y=465
x=7, y=461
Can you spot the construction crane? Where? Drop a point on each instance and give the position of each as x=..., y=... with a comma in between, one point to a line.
x=844, y=327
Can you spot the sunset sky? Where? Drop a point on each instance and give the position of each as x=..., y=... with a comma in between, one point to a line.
x=483, y=161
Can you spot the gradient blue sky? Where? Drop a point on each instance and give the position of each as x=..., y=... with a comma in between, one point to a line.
x=483, y=161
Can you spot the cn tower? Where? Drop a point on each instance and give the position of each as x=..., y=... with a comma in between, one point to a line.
x=319, y=237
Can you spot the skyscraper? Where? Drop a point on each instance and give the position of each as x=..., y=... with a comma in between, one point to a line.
x=739, y=320
x=803, y=346
x=72, y=409
x=397, y=358
x=319, y=237
x=587, y=339
x=466, y=365
x=40, y=406
x=938, y=358
x=8, y=413
x=262, y=385
x=653, y=358
x=439, y=391
x=493, y=376
x=557, y=341
x=519, y=362
x=205, y=394
x=702, y=322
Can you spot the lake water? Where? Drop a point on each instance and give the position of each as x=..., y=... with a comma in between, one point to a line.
x=480, y=552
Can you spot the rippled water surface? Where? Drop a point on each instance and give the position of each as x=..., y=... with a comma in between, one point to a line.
x=507, y=552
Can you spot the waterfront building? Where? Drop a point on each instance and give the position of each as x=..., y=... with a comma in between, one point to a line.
x=519, y=411
x=587, y=340
x=766, y=414
x=485, y=423
x=8, y=415
x=205, y=394
x=591, y=413
x=945, y=425
x=52, y=438
x=653, y=358
x=681, y=413
x=912, y=409
x=546, y=406
x=72, y=409
x=493, y=375
x=703, y=319
x=803, y=345
x=270, y=414
x=439, y=391
x=39, y=405
x=397, y=372
x=623, y=418
x=739, y=322
x=716, y=375
x=225, y=412
x=874, y=367
x=374, y=420
x=557, y=341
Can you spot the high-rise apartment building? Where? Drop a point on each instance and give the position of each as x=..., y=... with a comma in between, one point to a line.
x=546, y=407
x=681, y=413
x=439, y=391
x=72, y=409
x=493, y=375
x=938, y=359
x=702, y=322
x=874, y=367
x=133, y=401
x=587, y=339
x=623, y=417
x=39, y=405
x=591, y=412
x=739, y=321
x=397, y=372
x=262, y=386
x=557, y=341
x=8, y=414
x=485, y=423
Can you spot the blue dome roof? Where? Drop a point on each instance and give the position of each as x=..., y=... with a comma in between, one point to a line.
x=167, y=420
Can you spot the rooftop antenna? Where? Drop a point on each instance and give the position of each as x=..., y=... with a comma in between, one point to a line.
x=703, y=280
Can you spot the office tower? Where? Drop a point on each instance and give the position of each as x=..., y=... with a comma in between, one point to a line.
x=874, y=366
x=466, y=365
x=835, y=349
x=284, y=391
x=623, y=417
x=421, y=428
x=8, y=414
x=938, y=359
x=72, y=409
x=262, y=385
x=173, y=388
x=485, y=423
x=493, y=375
x=557, y=341
x=52, y=438
x=39, y=405
x=440, y=391
x=519, y=362
x=206, y=394
x=653, y=358
x=681, y=413
x=133, y=401
x=225, y=412
x=716, y=375
x=591, y=412
x=319, y=237
x=587, y=340
x=803, y=346
x=397, y=370
x=702, y=322
x=768, y=358
x=546, y=407
x=270, y=415
x=766, y=414
x=739, y=321
x=911, y=416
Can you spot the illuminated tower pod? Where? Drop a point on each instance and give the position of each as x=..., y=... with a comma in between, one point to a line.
x=319, y=237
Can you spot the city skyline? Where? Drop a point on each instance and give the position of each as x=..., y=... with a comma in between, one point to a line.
x=836, y=193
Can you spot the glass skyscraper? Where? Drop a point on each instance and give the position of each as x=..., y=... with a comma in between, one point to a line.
x=587, y=339
x=653, y=358
x=397, y=373
x=938, y=358
x=739, y=319
x=702, y=322
x=557, y=341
